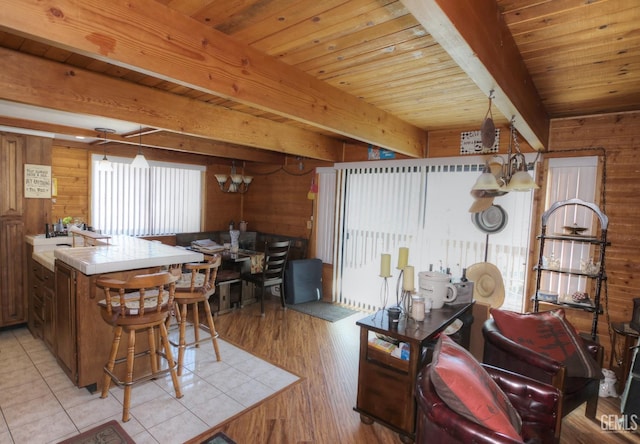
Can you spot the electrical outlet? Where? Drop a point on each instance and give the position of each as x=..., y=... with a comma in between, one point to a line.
x=309, y=224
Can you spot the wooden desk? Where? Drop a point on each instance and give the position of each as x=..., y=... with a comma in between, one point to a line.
x=385, y=383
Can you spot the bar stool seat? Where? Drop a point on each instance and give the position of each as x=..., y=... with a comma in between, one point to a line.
x=141, y=303
x=196, y=285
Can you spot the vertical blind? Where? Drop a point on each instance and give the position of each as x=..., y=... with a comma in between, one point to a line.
x=422, y=205
x=569, y=178
x=325, y=223
x=163, y=199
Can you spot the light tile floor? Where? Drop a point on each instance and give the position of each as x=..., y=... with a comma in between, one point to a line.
x=40, y=404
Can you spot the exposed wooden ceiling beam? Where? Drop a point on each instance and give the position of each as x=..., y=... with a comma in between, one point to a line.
x=477, y=38
x=177, y=142
x=162, y=140
x=47, y=127
x=39, y=82
x=148, y=37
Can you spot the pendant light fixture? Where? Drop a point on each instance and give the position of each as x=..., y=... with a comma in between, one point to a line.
x=105, y=164
x=140, y=161
x=237, y=183
x=501, y=176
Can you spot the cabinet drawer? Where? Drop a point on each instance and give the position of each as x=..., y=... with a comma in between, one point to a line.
x=37, y=270
x=48, y=278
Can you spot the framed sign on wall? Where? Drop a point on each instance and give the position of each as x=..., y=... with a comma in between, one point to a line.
x=37, y=181
x=471, y=143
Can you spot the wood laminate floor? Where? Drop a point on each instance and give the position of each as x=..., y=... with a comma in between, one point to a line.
x=320, y=408
x=39, y=404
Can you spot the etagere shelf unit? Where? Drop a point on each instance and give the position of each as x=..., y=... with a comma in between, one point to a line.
x=571, y=259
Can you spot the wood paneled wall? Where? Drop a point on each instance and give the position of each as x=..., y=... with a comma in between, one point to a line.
x=37, y=211
x=617, y=138
x=70, y=168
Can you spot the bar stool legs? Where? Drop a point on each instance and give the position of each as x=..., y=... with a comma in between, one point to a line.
x=128, y=381
x=181, y=317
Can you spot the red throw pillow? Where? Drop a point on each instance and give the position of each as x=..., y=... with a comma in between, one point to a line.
x=550, y=334
x=466, y=388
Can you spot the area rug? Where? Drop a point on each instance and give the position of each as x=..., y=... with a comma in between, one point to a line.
x=323, y=310
x=108, y=433
x=219, y=438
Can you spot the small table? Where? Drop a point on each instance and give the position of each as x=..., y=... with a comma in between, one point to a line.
x=385, y=383
x=622, y=329
x=233, y=266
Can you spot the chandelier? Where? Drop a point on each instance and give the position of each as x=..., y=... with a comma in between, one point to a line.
x=234, y=183
x=501, y=176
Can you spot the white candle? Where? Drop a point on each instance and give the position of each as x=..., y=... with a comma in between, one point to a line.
x=403, y=258
x=407, y=278
x=385, y=265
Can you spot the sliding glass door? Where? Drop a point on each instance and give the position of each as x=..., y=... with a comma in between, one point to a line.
x=423, y=205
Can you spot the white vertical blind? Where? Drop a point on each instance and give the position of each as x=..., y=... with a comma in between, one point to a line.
x=570, y=178
x=326, y=211
x=163, y=199
x=423, y=205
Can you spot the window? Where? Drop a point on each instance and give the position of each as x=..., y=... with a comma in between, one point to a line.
x=163, y=199
x=422, y=204
x=568, y=178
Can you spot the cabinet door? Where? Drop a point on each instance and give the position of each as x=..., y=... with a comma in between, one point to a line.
x=64, y=319
x=11, y=174
x=13, y=304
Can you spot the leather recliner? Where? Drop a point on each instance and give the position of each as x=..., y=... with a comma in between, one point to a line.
x=505, y=353
x=538, y=405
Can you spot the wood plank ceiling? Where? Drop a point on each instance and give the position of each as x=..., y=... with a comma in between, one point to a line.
x=247, y=79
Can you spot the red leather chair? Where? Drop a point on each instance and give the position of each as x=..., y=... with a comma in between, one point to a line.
x=537, y=404
x=505, y=353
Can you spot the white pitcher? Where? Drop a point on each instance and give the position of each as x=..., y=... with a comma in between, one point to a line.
x=437, y=288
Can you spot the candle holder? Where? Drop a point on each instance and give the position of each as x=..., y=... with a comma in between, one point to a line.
x=384, y=295
x=399, y=288
x=405, y=302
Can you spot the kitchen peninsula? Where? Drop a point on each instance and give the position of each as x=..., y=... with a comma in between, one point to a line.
x=63, y=297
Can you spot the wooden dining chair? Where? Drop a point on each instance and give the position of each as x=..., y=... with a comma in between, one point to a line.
x=141, y=303
x=196, y=285
x=273, y=268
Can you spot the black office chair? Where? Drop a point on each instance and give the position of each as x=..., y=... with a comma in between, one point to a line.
x=274, y=265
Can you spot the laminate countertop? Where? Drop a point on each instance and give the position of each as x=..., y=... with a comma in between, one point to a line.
x=120, y=254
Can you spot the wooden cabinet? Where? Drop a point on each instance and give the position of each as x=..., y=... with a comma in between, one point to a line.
x=571, y=258
x=11, y=175
x=13, y=304
x=41, y=299
x=65, y=319
x=18, y=217
x=386, y=384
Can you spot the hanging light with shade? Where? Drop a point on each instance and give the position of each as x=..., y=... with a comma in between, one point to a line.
x=234, y=183
x=140, y=161
x=105, y=164
x=501, y=176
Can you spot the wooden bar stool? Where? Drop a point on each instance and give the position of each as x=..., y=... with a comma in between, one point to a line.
x=196, y=285
x=141, y=303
